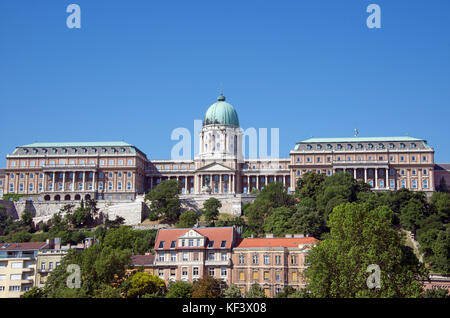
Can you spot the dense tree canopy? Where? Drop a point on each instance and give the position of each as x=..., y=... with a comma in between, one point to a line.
x=165, y=203
x=358, y=238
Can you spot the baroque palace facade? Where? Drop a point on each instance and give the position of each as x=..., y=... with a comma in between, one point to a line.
x=118, y=171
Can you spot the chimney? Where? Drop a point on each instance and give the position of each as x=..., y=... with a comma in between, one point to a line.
x=269, y=235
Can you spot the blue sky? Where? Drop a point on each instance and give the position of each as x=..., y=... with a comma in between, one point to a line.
x=138, y=69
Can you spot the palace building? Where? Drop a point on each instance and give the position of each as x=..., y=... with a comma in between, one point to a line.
x=118, y=171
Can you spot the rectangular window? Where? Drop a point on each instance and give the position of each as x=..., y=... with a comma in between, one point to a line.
x=266, y=259
x=425, y=184
x=278, y=276
x=224, y=256
x=278, y=259
x=191, y=242
x=17, y=265
x=241, y=259
x=161, y=257
x=294, y=276
x=266, y=275
x=241, y=276
x=173, y=257
x=223, y=271
x=255, y=275
x=210, y=256
x=293, y=259
x=15, y=277
x=223, y=244
x=255, y=259
x=211, y=271
x=195, y=271
x=185, y=257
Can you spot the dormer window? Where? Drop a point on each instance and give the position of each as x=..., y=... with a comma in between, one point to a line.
x=402, y=146
x=113, y=150
x=223, y=244
x=54, y=150
x=329, y=146
x=413, y=145
x=391, y=145
x=319, y=147
x=35, y=151
x=44, y=150
x=104, y=150
x=360, y=146
x=25, y=151
x=210, y=244
x=349, y=146
x=161, y=244
x=84, y=150
x=308, y=147
x=380, y=146
x=64, y=150
x=122, y=149
x=339, y=146
x=370, y=146
x=94, y=150
x=74, y=150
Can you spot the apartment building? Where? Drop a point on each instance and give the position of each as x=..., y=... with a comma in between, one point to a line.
x=18, y=267
x=273, y=263
x=189, y=254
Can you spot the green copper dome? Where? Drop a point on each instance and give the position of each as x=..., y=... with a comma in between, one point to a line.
x=221, y=113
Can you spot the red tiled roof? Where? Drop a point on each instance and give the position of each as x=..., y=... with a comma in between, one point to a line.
x=142, y=260
x=276, y=242
x=22, y=246
x=216, y=234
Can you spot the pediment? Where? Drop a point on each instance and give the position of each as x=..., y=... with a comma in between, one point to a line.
x=215, y=167
x=191, y=234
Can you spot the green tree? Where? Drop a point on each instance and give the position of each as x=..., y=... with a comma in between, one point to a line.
x=255, y=291
x=436, y=293
x=27, y=218
x=187, y=219
x=309, y=185
x=441, y=202
x=179, y=289
x=34, y=292
x=279, y=222
x=306, y=220
x=232, y=291
x=211, y=210
x=412, y=214
x=207, y=287
x=358, y=238
x=440, y=261
x=141, y=284
x=165, y=203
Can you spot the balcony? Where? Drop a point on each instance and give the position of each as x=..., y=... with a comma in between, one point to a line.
x=360, y=163
x=70, y=167
x=218, y=262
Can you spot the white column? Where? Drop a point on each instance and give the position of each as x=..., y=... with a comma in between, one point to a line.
x=257, y=182
x=94, y=187
x=284, y=181
x=248, y=184
x=53, y=182
x=376, y=178
x=220, y=183
x=64, y=181
x=232, y=184
x=84, y=180
x=74, y=175
x=387, y=178
x=365, y=175
x=185, y=184
x=354, y=173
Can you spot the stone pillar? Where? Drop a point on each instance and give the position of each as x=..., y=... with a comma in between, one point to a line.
x=365, y=174
x=284, y=181
x=220, y=183
x=53, y=182
x=354, y=173
x=44, y=182
x=74, y=176
x=257, y=182
x=84, y=180
x=248, y=184
x=387, y=178
x=185, y=184
x=376, y=178
x=64, y=181
x=94, y=186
